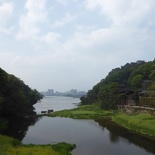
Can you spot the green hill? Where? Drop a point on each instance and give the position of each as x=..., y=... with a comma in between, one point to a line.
x=132, y=81
x=16, y=98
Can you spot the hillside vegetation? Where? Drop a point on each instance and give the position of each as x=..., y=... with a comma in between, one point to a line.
x=133, y=81
x=16, y=98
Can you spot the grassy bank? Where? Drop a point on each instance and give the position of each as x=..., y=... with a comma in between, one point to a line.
x=83, y=112
x=142, y=123
x=10, y=146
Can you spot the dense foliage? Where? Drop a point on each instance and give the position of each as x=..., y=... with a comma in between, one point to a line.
x=121, y=84
x=16, y=98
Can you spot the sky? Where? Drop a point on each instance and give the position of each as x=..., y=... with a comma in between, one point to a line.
x=73, y=44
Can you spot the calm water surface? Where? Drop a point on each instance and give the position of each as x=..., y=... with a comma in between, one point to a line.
x=90, y=137
x=56, y=103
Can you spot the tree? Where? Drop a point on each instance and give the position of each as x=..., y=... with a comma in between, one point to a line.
x=137, y=81
x=122, y=98
x=16, y=98
x=129, y=79
x=83, y=100
x=152, y=75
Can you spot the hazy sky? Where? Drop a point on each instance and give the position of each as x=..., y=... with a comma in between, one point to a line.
x=65, y=44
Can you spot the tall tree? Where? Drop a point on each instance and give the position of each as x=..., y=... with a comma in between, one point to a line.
x=16, y=98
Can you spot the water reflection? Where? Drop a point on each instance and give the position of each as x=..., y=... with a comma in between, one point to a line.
x=89, y=137
x=117, y=133
x=18, y=127
x=113, y=138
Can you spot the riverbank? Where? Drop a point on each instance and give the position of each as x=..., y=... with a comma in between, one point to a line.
x=83, y=112
x=11, y=146
x=138, y=122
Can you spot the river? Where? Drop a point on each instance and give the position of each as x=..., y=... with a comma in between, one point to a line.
x=90, y=137
x=56, y=103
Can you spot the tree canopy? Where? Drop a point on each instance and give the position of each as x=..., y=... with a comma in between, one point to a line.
x=16, y=98
x=122, y=83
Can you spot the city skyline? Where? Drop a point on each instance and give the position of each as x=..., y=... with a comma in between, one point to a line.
x=72, y=92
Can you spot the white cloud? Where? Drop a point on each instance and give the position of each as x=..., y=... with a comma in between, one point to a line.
x=66, y=19
x=65, y=2
x=30, y=27
x=6, y=10
x=5, y=31
x=5, y=58
x=29, y=23
x=52, y=42
x=51, y=37
x=82, y=45
x=123, y=12
x=119, y=43
x=85, y=28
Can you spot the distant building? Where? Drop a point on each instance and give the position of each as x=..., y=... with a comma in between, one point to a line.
x=50, y=92
x=71, y=93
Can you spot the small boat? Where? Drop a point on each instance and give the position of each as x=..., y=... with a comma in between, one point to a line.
x=50, y=110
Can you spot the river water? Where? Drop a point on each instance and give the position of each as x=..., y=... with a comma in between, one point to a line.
x=90, y=137
x=56, y=103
